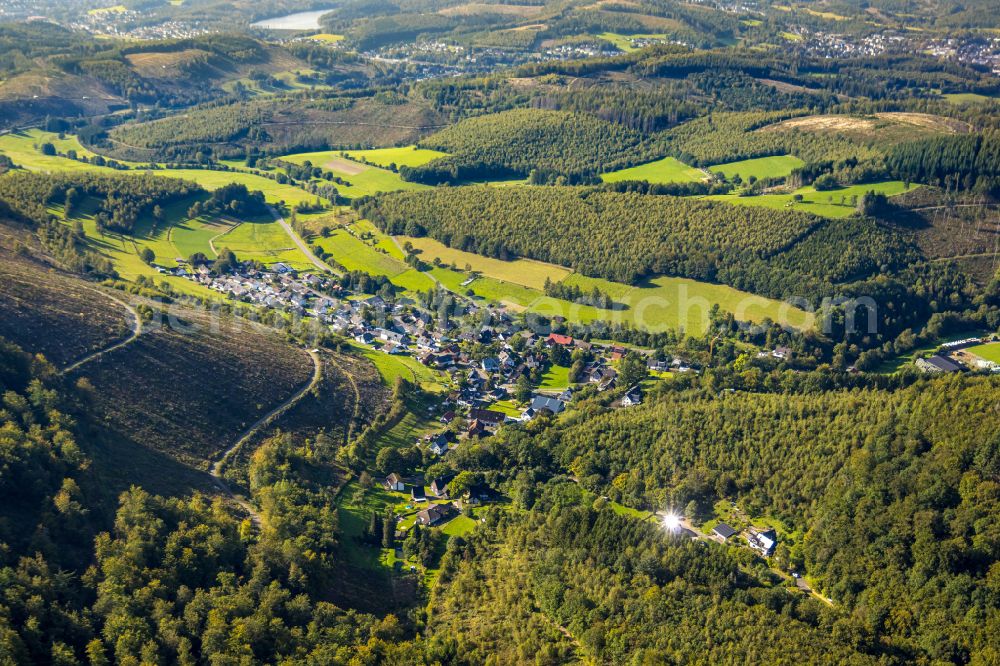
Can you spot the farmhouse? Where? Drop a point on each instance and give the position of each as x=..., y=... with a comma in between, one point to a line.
x=762, y=541
x=937, y=363
x=487, y=417
x=432, y=515
x=439, y=486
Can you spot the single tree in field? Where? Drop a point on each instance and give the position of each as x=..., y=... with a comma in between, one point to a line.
x=147, y=255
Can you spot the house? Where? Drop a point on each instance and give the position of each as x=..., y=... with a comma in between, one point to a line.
x=417, y=493
x=447, y=417
x=566, y=395
x=490, y=364
x=432, y=515
x=487, y=417
x=476, y=429
x=657, y=366
x=395, y=482
x=527, y=415
x=937, y=363
x=762, y=541
x=478, y=494
x=723, y=531
x=632, y=397
x=364, y=338
x=439, y=486
x=556, y=339
x=554, y=405
x=781, y=353
x=438, y=444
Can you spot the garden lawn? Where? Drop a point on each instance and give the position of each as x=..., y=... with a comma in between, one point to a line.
x=556, y=378
x=777, y=166
x=667, y=170
x=459, y=526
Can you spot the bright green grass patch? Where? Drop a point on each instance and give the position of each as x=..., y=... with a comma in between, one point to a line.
x=356, y=255
x=791, y=36
x=459, y=526
x=834, y=203
x=753, y=23
x=506, y=407
x=327, y=37
x=407, y=367
x=273, y=191
x=989, y=351
x=555, y=378
x=117, y=9
x=363, y=179
x=266, y=242
x=410, y=156
x=624, y=42
x=525, y=272
x=21, y=148
x=968, y=98
x=777, y=166
x=661, y=304
x=190, y=236
x=667, y=170
x=367, y=230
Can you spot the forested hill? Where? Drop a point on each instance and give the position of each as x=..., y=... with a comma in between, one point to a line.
x=630, y=236
x=887, y=498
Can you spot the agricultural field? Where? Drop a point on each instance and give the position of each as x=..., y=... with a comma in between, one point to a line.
x=368, y=250
x=834, y=203
x=663, y=303
x=968, y=98
x=264, y=240
x=406, y=156
x=777, y=166
x=524, y=272
x=364, y=180
x=989, y=351
x=23, y=149
x=327, y=37
x=667, y=170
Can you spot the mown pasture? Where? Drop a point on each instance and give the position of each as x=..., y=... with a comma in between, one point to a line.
x=776, y=166
x=667, y=170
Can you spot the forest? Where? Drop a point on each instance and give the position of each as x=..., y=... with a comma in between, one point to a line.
x=888, y=498
x=628, y=236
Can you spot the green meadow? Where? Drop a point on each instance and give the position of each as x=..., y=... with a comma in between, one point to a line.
x=662, y=303
x=624, y=42
x=374, y=257
x=363, y=179
x=777, y=166
x=990, y=351
x=410, y=156
x=833, y=203
x=667, y=170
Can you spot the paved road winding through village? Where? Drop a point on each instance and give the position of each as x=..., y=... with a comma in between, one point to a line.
x=260, y=423
x=136, y=330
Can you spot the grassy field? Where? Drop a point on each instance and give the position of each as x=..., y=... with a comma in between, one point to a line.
x=22, y=148
x=407, y=367
x=328, y=38
x=661, y=304
x=624, y=42
x=265, y=241
x=379, y=256
x=406, y=156
x=667, y=170
x=968, y=98
x=555, y=378
x=525, y=272
x=777, y=166
x=190, y=236
x=989, y=351
x=834, y=203
x=364, y=180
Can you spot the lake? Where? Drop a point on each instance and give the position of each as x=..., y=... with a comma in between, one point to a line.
x=297, y=21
